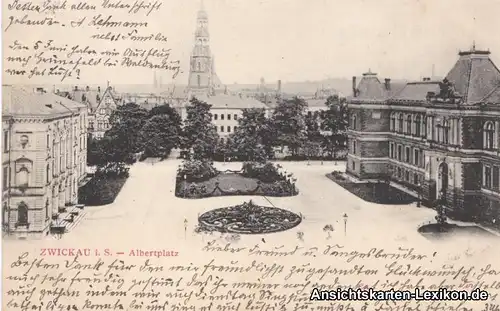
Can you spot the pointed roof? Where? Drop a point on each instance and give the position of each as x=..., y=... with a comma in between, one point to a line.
x=474, y=75
x=370, y=88
x=202, y=14
x=493, y=97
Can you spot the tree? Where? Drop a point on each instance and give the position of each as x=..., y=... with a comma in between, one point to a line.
x=199, y=135
x=126, y=124
x=289, y=123
x=253, y=137
x=334, y=122
x=173, y=116
x=159, y=136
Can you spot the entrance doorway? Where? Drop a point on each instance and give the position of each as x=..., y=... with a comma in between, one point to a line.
x=442, y=179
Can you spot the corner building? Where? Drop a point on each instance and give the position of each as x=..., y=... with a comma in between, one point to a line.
x=433, y=137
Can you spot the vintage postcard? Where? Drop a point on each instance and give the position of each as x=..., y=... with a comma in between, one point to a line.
x=250, y=155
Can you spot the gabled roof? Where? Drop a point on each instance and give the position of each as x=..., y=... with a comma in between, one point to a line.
x=23, y=101
x=416, y=91
x=474, y=75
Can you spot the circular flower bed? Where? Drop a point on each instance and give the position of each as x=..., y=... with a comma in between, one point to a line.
x=248, y=218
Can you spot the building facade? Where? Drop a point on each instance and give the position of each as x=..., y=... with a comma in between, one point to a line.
x=437, y=138
x=44, y=158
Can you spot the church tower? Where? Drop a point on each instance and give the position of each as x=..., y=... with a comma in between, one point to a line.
x=202, y=76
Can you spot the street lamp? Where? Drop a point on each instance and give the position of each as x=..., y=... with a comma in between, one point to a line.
x=345, y=223
x=185, y=228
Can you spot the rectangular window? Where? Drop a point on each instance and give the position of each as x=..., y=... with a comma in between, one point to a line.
x=416, y=159
x=399, y=172
x=354, y=147
x=235, y=128
x=400, y=152
x=215, y=116
x=496, y=177
x=228, y=116
x=222, y=128
x=407, y=176
x=228, y=129
x=391, y=150
x=5, y=178
x=487, y=177
x=222, y=116
x=407, y=154
x=5, y=141
x=235, y=117
x=353, y=165
x=415, y=179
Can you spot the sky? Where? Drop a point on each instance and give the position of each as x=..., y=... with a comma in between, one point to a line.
x=298, y=40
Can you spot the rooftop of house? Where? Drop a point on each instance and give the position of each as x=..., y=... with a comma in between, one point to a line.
x=223, y=101
x=474, y=77
x=36, y=102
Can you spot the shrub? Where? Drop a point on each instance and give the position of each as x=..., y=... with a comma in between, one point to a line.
x=197, y=170
x=265, y=172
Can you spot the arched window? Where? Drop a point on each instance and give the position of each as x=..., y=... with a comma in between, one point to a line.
x=446, y=131
x=22, y=214
x=393, y=121
x=400, y=123
x=488, y=135
x=408, y=124
x=424, y=126
x=417, y=125
x=48, y=173
x=354, y=122
x=22, y=177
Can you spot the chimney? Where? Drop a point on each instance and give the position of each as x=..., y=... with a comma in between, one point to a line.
x=388, y=84
x=354, y=91
x=279, y=86
x=99, y=89
x=87, y=88
x=427, y=79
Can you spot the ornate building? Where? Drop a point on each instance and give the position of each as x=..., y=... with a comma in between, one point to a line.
x=44, y=158
x=100, y=104
x=437, y=138
x=202, y=76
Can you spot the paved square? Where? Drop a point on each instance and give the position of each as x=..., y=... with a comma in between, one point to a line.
x=147, y=212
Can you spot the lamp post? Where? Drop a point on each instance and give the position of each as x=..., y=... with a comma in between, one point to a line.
x=419, y=190
x=345, y=223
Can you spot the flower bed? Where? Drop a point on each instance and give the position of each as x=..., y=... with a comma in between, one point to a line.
x=101, y=190
x=438, y=231
x=380, y=193
x=248, y=218
x=254, y=179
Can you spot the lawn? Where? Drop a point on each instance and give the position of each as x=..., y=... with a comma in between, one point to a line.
x=380, y=193
x=101, y=190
